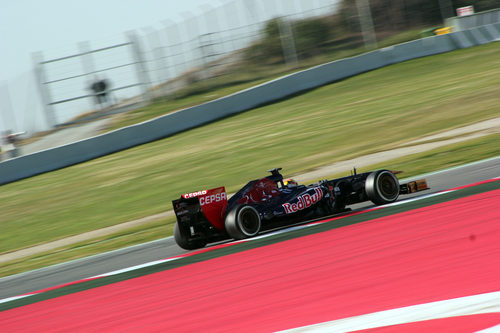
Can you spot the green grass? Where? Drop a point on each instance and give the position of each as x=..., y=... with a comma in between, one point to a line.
x=364, y=114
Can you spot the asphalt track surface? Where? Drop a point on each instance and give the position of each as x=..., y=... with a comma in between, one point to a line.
x=100, y=264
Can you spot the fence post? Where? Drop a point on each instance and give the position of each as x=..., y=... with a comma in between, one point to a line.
x=173, y=42
x=365, y=17
x=88, y=66
x=287, y=42
x=43, y=89
x=6, y=106
x=140, y=67
x=232, y=14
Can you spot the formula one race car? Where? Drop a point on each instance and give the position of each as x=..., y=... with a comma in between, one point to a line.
x=209, y=216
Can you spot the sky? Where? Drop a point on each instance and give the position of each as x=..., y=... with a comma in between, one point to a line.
x=27, y=26
x=56, y=27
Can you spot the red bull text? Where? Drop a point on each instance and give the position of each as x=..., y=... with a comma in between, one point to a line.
x=304, y=201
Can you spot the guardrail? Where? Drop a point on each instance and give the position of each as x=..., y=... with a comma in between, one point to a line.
x=164, y=126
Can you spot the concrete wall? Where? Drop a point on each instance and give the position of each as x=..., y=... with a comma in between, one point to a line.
x=81, y=151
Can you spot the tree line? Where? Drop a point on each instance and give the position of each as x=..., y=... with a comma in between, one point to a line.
x=313, y=36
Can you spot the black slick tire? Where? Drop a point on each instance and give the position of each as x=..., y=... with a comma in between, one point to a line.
x=382, y=187
x=242, y=222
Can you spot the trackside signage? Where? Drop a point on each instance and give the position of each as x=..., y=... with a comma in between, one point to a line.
x=303, y=201
x=465, y=11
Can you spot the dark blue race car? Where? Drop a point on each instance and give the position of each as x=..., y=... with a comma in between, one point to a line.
x=270, y=202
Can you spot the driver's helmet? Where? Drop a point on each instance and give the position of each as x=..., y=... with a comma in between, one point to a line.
x=289, y=182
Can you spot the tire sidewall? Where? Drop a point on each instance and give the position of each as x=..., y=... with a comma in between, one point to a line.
x=372, y=187
x=248, y=210
x=233, y=222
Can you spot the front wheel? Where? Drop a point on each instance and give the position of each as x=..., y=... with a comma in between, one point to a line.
x=242, y=222
x=183, y=240
x=382, y=187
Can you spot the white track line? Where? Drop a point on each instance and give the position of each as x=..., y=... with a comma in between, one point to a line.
x=494, y=329
x=463, y=306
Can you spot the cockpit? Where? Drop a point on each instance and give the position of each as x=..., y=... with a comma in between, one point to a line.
x=264, y=189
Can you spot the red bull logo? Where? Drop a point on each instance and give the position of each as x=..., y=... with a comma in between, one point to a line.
x=304, y=201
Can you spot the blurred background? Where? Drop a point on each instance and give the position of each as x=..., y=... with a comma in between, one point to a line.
x=216, y=44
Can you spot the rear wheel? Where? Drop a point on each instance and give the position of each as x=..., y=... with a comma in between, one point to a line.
x=242, y=222
x=382, y=187
x=183, y=240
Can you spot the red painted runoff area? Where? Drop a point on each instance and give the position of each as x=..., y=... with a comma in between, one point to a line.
x=444, y=251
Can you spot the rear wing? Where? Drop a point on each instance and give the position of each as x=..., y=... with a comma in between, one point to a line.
x=212, y=204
